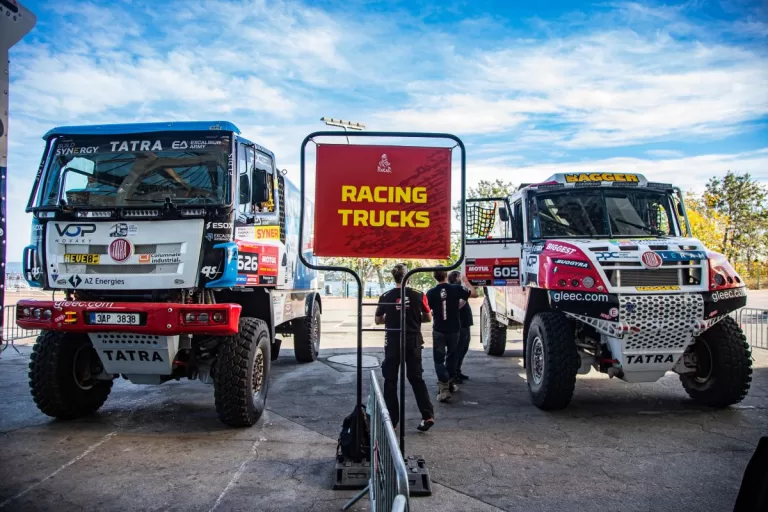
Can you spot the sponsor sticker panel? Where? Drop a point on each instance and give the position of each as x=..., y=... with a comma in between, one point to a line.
x=571, y=263
x=493, y=271
x=257, y=265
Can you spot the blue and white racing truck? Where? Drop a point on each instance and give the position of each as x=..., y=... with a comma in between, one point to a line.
x=174, y=248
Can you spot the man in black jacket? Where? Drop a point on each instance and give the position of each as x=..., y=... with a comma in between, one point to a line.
x=465, y=316
x=416, y=312
x=446, y=300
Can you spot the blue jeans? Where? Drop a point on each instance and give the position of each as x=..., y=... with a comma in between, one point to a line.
x=444, y=351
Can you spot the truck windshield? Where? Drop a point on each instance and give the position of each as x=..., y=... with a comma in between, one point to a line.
x=601, y=213
x=129, y=171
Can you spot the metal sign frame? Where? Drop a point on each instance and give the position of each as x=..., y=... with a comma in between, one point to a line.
x=331, y=268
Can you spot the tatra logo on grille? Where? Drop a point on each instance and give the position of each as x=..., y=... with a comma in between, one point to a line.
x=120, y=250
x=651, y=259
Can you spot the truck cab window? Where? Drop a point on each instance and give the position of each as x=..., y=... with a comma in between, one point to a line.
x=264, y=184
x=517, y=221
x=244, y=199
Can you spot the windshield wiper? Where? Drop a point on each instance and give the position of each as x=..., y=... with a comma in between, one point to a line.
x=647, y=229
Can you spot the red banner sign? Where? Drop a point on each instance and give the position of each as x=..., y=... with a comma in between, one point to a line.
x=383, y=202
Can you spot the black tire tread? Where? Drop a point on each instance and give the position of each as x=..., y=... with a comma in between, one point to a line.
x=48, y=379
x=303, y=345
x=232, y=393
x=497, y=334
x=733, y=365
x=561, y=367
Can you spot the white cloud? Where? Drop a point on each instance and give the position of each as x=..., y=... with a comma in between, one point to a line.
x=687, y=172
x=664, y=153
x=607, y=87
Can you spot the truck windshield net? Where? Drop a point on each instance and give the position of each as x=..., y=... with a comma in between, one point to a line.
x=138, y=170
x=601, y=213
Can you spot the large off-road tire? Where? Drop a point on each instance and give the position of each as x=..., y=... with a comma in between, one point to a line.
x=551, y=361
x=241, y=376
x=723, y=366
x=306, y=336
x=61, y=374
x=493, y=334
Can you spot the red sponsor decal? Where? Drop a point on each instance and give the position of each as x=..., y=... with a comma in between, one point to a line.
x=651, y=259
x=493, y=271
x=260, y=264
x=383, y=201
x=120, y=250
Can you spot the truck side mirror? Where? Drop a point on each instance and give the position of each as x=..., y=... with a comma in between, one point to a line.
x=260, y=186
x=245, y=189
x=680, y=209
x=503, y=214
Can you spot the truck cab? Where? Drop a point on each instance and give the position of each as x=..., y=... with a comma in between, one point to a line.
x=601, y=271
x=174, y=249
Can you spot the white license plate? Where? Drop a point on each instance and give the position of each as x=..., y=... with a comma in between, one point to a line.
x=115, y=318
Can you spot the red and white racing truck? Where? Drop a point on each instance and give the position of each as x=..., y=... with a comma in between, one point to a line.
x=601, y=271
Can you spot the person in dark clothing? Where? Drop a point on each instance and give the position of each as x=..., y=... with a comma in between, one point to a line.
x=465, y=316
x=446, y=300
x=416, y=312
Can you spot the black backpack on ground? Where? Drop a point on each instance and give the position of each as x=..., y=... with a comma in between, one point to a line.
x=350, y=445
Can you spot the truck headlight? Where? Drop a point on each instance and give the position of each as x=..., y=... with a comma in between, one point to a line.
x=588, y=282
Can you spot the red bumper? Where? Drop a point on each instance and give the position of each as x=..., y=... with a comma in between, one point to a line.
x=167, y=319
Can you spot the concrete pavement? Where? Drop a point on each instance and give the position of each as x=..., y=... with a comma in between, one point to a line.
x=617, y=447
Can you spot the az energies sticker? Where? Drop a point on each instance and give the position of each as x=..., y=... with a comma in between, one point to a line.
x=493, y=271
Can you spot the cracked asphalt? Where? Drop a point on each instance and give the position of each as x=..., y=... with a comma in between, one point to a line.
x=617, y=447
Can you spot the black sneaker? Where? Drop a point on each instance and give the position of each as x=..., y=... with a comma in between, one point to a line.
x=425, y=425
x=463, y=377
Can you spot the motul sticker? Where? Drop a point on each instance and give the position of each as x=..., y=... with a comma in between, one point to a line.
x=493, y=271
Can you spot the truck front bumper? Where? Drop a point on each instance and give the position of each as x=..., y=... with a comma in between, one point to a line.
x=156, y=318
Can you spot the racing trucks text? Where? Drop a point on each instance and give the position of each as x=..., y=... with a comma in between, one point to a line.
x=174, y=248
x=601, y=271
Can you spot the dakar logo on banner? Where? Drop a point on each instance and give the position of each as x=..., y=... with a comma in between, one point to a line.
x=364, y=209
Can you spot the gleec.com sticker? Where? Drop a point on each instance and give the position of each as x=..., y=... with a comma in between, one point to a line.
x=735, y=293
x=579, y=296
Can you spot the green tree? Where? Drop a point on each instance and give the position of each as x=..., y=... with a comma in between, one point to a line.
x=743, y=203
x=706, y=224
x=367, y=268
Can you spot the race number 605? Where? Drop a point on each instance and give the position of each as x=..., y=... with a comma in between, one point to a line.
x=506, y=272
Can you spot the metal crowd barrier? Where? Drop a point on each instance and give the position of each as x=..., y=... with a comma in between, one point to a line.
x=754, y=323
x=389, y=476
x=11, y=331
x=388, y=485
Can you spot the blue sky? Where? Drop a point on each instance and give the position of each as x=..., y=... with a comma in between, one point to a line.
x=677, y=91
